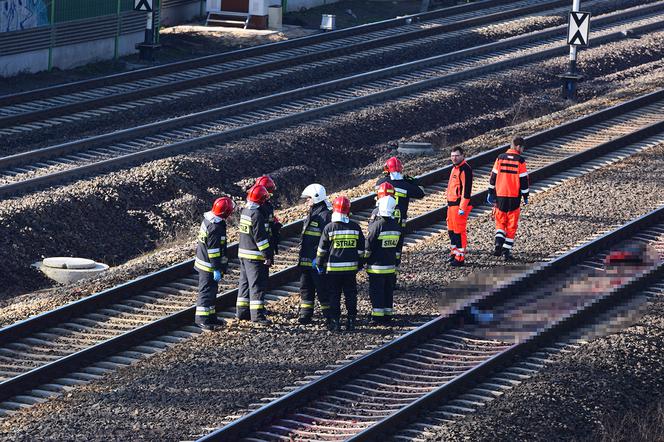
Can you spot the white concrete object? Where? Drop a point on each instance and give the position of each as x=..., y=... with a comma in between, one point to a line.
x=274, y=18
x=258, y=7
x=328, y=22
x=66, y=270
x=412, y=147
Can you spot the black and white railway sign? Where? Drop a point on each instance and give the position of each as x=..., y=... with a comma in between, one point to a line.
x=578, y=28
x=143, y=5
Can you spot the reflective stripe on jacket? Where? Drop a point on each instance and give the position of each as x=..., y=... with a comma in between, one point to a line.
x=319, y=217
x=460, y=186
x=341, y=247
x=383, y=245
x=509, y=180
x=404, y=190
x=211, y=244
x=254, y=240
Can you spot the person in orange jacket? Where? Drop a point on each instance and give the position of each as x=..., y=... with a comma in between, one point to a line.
x=459, y=190
x=508, y=184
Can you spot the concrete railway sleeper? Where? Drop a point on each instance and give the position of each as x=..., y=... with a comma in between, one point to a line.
x=62, y=100
x=56, y=164
x=117, y=326
x=531, y=311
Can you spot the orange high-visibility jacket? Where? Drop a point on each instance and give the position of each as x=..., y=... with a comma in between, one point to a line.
x=460, y=186
x=509, y=180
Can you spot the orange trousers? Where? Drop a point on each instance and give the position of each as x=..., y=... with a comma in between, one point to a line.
x=456, y=228
x=506, y=224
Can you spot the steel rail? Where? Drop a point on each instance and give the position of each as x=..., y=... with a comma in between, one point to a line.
x=509, y=290
x=467, y=380
x=287, y=61
x=13, y=189
x=35, y=377
x=269, y=48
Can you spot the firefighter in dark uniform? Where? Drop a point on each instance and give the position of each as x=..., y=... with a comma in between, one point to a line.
x=385, y=189
x=383, y=247
x=311, y=282
x=405, y=188
x=459, y=190
x=255, y=256
x=508, y=184
x=341, y=254
x=211, y=261
x=273, y=224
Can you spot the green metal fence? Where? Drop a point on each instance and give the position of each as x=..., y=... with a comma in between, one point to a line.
x=68, y=10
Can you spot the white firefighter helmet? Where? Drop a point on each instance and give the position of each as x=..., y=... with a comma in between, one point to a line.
x=386, y=206
x=316, y=192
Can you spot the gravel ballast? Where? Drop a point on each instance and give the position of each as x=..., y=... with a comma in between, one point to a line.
x=176, y=394
x=123, y=214
x=287, y=79
x=580, y=394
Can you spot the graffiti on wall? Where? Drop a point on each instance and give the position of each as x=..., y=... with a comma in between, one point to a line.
x=16, y=15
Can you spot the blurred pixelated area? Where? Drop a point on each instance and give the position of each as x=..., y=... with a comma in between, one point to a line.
x=553, y=298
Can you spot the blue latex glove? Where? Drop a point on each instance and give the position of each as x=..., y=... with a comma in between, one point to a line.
x=461, y=212
x=525, y=199
x=482, y=317
x=314, y=264
x=490, y=198
x=217, y=275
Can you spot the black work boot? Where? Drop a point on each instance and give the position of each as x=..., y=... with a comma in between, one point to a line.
x=457, y=263
x=206, y=326
x=304, y=320
x=507, y=255
x=262, y=320
x=498, y=251
x=451, y=259
x=350, y=324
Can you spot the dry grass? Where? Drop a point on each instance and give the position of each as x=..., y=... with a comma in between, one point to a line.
x=645, y=426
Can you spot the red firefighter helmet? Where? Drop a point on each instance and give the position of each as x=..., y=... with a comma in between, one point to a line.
x=341, y=204
x=258, y=194
x=266, y=182
x=223, y=207
x=393, y=165
x=385, y=189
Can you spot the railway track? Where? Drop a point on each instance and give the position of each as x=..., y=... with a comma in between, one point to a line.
x=57, y=164
x=378, y=393
x=193, y=75
x=613, y=320
x=44, y=355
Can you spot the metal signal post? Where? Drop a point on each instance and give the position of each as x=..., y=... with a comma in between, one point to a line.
x=577, y=35
x=147, y=49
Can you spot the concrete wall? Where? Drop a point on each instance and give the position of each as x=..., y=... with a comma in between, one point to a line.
x=33, y=61
x=180, y=14
x=73, y=54
x=296, y=5
x=70, y=56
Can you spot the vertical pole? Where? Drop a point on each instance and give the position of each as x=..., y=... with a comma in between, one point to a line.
x=149, y=34
x=576, y=4
x=148, y=48
x=52, y=37
x=117, y=32
x=157, y=24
